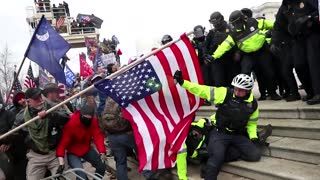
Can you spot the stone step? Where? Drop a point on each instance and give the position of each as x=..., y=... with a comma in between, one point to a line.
x=307, y=129
x=276, y=110
x=274, y=169
x=193, y=172
x=303, y=150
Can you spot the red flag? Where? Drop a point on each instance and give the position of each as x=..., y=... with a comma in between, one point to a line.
x=119, y=52
x=85, y=69
x=159, y=111
x=60, y=22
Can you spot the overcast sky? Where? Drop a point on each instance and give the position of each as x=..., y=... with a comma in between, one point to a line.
x=129, y=20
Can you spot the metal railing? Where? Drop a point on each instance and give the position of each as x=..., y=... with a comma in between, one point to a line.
x=72, y=172
x=82, y=30
x=59, y=12
x=43, y=6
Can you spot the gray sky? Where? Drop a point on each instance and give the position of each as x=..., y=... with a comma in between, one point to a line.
x=128, y=20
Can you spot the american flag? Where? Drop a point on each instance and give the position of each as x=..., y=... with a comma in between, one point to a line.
x=29, y=81
x=159, y=111
x=62, y=90
x=16, y=87
x=60, y=22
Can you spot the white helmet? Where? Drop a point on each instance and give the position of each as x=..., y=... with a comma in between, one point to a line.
x=243, y=81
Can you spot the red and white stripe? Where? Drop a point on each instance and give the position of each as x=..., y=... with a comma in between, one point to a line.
x=60, y=22
x=62, y=90
x=161, y=121
x=29, y=82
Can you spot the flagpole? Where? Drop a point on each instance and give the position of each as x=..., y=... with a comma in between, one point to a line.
x=25, y=56
x=15, y=78
x=120, y=71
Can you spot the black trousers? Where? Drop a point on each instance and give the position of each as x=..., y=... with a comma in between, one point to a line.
x=306, y=59
x=206, y=74
x=285, y=58
x=219, y=143
x=261, y=63
x=224, y=70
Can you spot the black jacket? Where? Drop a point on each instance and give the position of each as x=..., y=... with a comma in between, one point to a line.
x=6, y=121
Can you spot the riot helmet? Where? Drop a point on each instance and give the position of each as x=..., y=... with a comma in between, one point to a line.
x=165, y=39
x=198, y=32
x=237, y=19
x=216, y=19
x=247, y=12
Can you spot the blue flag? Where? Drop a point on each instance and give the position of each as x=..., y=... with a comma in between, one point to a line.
x=46, y=48
x=97, y=60
x=70, y=77
x=133, y=85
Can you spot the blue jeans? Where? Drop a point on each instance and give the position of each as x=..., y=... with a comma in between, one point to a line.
x=119, y=143
x=92, y=157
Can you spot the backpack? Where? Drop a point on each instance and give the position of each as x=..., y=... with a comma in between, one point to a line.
x=112, y=120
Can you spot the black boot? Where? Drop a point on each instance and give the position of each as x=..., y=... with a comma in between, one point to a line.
x=293, y=97
x=264, y=134
x=307, y=97
x=262, y=97
x=314, y=100
x=207, y=103
x=275, y=97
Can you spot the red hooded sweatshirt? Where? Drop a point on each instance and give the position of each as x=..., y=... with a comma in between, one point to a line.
x=76, y=139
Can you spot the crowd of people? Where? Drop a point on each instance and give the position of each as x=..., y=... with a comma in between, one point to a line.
x=232, y=55
x=45, y=6
x=271, y=50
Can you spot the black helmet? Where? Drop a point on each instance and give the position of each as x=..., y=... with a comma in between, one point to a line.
x=247, y=12
x=236, y=16
x=216, y=18
x=165, y=39
x=198, y=32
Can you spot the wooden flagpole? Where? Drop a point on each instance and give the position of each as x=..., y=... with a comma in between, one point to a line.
x=120, y=71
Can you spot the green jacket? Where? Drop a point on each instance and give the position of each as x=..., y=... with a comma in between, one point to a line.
x=182, y=155
x=38, y=131
x=217, y=96
x=250, y=43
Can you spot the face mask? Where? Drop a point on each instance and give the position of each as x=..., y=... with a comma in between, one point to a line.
x=85, y=121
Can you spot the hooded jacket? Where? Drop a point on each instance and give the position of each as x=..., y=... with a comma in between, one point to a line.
x=16, y=108
x=76, y=139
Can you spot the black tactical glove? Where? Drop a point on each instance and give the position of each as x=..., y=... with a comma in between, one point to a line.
x=60, y=169
x=208, y=58
x=255, y=141
x=178, y=77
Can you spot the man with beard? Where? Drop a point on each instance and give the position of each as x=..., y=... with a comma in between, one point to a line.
x=51, y=93
x=43, y=134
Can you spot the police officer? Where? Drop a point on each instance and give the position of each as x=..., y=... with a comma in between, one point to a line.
x=198, y=43
x=237, y=113
x=225, y=68
x=301, y=22
x=195, y=146
x=247, y=34
x=165, y=39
